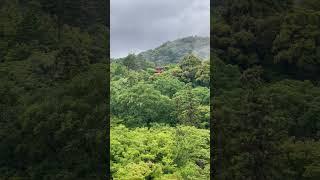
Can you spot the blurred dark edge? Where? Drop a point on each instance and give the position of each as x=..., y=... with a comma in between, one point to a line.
x=100, y=171
x=214, y=131
x=108, y=173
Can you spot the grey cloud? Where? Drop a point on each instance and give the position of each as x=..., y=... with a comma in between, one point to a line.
x=138, y=25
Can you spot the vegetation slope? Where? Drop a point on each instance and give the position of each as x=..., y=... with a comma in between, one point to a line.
x=160, y=121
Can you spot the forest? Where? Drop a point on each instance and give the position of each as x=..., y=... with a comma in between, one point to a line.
x=53, y=89
x=160, y=120
x=265, y=83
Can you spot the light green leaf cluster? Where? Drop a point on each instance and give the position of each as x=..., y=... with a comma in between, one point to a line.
x=160, y=152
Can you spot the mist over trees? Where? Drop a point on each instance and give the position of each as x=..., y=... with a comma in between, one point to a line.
x=174, y=51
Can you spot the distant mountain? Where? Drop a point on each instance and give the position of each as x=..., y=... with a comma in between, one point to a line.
x=173, y=51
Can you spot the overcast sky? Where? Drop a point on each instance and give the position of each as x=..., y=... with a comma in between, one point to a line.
x=138, y=25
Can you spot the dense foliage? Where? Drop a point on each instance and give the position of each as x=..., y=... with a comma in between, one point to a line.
x=160, y=153
x=265, y=81
x=265, y=85
x=53, y=74
x=160, y=121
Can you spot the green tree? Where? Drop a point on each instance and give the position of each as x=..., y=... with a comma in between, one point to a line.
x=297, y=44
x=203, y=74
x=168, y=85
x=141, y=105
x=189, y=66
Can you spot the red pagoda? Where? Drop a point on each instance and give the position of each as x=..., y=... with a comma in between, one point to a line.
x=159, y=70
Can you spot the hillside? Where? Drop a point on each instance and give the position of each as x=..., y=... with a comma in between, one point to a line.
x=159, y=124
x=173, y=51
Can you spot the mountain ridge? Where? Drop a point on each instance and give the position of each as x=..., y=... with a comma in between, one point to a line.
x=173, y=51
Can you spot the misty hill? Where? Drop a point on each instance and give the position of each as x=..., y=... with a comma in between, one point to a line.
x=173, y=51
